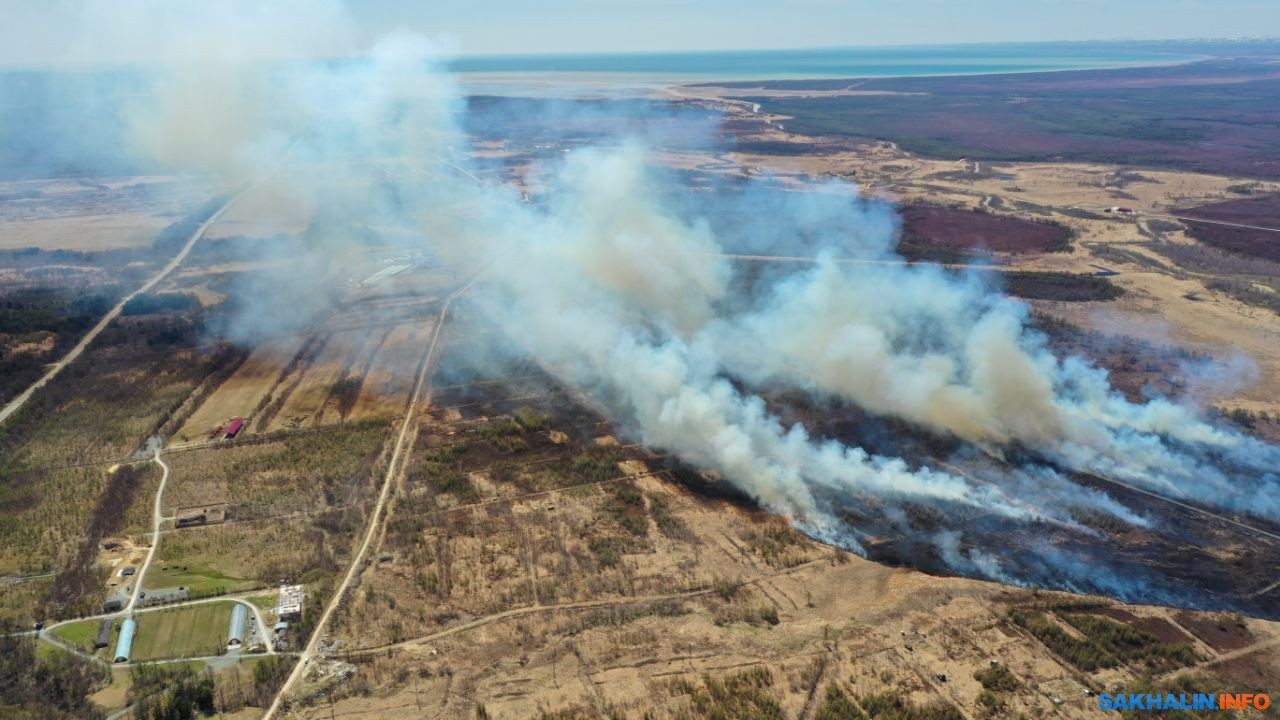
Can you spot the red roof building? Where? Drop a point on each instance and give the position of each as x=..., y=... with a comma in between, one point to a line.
x=233, y=428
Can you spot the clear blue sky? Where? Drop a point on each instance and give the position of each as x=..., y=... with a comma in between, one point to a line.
x=92, y=31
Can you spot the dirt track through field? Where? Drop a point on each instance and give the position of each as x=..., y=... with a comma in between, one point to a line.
x=393, y=469
x=156, y=519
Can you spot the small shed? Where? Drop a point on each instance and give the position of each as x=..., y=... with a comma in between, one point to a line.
x=104, y=634
x=235, y=631
x=233, y=428
x=124, y=645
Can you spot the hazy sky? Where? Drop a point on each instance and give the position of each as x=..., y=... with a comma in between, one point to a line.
x=80, y=31
x=517, y=26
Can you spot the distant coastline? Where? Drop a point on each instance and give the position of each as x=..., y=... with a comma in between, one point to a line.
x=856, y=62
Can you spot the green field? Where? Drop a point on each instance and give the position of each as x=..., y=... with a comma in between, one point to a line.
x=82, y=633
x=200, y=581
x=182, y=632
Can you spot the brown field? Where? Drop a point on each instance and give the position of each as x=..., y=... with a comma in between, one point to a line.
x=309, y=402
x=93, y=213
x=1220, y=631
x=958, y=229
x=390, y=376
x=241, y=394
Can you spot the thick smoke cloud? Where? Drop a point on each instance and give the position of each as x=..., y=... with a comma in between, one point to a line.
x=617, y=277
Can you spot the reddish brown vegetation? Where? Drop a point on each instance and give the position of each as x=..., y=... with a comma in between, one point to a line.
x=1214, y=116
x=1221, y=632
x=1260, y=211
x=931, y=226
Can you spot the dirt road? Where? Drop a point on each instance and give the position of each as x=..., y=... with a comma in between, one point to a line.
x=1216, y=222
x=156, y=520
x=393, y=467
x=75, y=352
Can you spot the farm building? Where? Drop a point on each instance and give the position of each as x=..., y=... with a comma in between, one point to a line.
x=202, y=515
x=115, y=603
x=235, y=630
x=160, y=596
x=125, y=644
x=104, y=634
x=233, y=428
x=289, y=604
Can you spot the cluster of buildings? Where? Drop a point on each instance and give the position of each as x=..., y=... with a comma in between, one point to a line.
x=288, y=609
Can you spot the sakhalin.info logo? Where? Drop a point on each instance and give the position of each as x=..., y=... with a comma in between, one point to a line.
x=1198, y=701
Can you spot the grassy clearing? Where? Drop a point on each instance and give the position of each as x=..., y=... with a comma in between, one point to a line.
x=264, y=602
x=199, y=580
x=182, y=632
x=82, y=633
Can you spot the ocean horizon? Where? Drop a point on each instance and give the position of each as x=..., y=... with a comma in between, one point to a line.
x=851, y=62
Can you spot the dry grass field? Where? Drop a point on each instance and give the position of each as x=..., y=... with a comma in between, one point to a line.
x=93, y=213
x=524, y=574
x=243, y=393
x=531, y=563
x=1163, y=301
x=308, y=403
x=389, y=377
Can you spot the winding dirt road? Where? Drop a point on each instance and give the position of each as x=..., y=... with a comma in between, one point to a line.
x=156, y=519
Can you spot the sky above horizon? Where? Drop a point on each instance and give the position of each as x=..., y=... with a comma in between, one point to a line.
x=126, y=31
x=503, y=26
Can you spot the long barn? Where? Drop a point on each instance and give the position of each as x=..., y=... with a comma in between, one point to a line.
x=124, y=645
x=235, y=631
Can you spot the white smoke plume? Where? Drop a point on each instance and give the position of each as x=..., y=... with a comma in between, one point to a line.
x=620, y=281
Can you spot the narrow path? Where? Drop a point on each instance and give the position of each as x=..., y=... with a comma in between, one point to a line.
x=1266, y=589
x=156, y=520
x=1224, y=657
x=393, y=467
x=526, y=610
x=853, y=261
